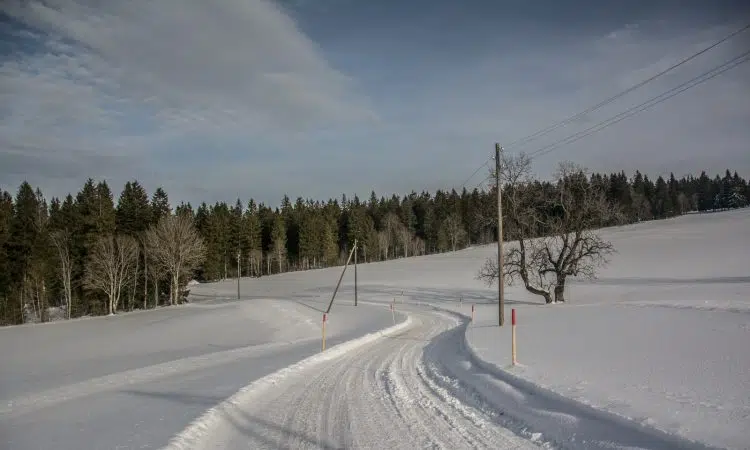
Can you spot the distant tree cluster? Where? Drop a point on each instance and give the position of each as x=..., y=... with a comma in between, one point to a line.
x=89, y=255
x=85, y=256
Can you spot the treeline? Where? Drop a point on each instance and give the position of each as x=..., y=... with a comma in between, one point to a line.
x=89, y=255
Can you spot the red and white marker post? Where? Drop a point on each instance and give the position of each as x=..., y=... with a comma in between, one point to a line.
x=325, y=318
x=472, y=312
x=393, y=311
x=513, y=336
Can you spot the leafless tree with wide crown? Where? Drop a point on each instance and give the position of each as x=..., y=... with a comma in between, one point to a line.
x=176, y=248
x=110, y=267
x=552, y=237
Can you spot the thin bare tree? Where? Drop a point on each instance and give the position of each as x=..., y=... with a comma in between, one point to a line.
x=144, y=246
x=256, y=262
x=384, y=244
x=405, y=237
x=110, y=267
x=453, y=231
x=134, y=278
x=61, y=240
x=177, y=248
x=553, y=236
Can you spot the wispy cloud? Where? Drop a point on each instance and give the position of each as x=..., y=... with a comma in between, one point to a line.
x=238, y=98
x=119, y=80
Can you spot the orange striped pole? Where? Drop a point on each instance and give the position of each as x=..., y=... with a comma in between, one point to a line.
x=513, y=335
x=325, y=316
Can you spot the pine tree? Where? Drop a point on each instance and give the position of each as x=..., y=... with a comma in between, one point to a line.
x=159, y=205
x=6, y=217
x=22, y=242
x=133, y=213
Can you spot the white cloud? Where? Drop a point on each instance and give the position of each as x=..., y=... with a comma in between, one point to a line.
x=117, y=90
x=102, y=82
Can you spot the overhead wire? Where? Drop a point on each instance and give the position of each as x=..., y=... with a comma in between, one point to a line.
x=542, y=132
x=653, y=101
x=605, y=102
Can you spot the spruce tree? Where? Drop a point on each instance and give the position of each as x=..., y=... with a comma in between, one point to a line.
x=6, y=216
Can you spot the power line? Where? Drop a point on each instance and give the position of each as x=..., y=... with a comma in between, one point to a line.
x=553, y=127
x=463, y=185
x=716, y=71
x=605, y=102
x=650, y=103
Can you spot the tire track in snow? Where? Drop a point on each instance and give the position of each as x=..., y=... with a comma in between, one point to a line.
x=375, y=396
x=532, y=411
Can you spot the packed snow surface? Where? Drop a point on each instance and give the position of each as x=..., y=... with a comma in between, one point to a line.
x=134, y=380
x=653, y=354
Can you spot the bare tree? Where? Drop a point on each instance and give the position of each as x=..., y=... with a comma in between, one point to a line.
x=391, y=229
x=144, y=245
x=279, y=252
x=384, y=244
x=177, y=248
x=134, y=278
x=553, y=236
x=110, y=267
x=61, y=240
x=256, y=262
x=453, y=231
x=405, y=238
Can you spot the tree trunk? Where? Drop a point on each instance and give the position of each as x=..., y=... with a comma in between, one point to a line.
x=131, y=301
x=156, y=292
x=145, y=281
x=560, y=290
x=173, y=289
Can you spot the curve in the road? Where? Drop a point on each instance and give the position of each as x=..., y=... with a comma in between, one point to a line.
x=415, y=388
x=377, y=395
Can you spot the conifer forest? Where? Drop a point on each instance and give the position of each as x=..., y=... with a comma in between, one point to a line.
x=94, y=254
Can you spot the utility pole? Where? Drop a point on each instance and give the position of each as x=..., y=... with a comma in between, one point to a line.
x=500, y=284
x=239, y=274
x=355, y=272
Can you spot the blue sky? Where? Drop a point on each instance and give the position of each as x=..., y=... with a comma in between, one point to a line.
x=316, y=98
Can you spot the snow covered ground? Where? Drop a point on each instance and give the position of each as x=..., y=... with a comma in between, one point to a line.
x=135, y=380
x=660, y=338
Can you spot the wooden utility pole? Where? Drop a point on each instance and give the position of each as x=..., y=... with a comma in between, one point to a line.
x=239, y=274
x=355, y=272
x=500, y=284
x=351, y=253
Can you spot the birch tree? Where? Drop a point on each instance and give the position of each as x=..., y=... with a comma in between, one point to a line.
x=176, y=247
x=453, y=231
x=110, y=267
x=61, y=239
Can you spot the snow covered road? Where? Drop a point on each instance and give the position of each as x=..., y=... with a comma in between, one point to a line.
x=378, y=395
x=419, y=387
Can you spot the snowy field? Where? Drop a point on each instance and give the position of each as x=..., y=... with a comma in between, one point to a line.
x=661, y=337
x=136, y=379
x=653, y=354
